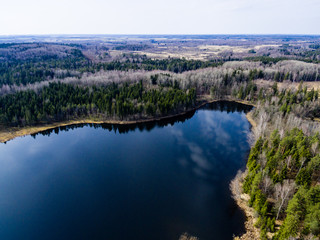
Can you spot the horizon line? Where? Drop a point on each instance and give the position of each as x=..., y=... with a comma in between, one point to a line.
x=161, y=34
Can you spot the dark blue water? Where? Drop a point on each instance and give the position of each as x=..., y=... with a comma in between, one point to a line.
x=152, y=181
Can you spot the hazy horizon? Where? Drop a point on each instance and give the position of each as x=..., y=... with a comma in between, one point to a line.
x=158, y=34
x=177, y=17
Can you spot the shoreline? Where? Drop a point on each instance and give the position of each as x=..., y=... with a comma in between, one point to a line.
x=14, y=132
x=241, y=199
x=250, y=120
x=10, y=133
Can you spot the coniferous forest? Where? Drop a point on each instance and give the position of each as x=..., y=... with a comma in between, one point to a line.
x=59, y=102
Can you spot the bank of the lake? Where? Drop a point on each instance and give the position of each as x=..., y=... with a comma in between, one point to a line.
x=252, y=233
x=9, y=133
x=242, y=199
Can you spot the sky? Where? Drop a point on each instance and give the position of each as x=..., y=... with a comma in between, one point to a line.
x=24, y=17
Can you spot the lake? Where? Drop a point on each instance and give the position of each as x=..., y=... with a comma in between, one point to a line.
x=145, y=181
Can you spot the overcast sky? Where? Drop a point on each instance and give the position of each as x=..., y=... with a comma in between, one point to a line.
x=159, y=17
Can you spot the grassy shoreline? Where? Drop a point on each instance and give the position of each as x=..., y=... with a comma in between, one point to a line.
x=10, y=133
x=14, y=132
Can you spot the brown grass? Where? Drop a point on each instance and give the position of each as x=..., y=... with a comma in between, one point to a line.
x=250, y=119
x=7, y=134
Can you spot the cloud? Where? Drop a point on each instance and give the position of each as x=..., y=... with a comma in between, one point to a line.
x=211, y=127
x=196, y=153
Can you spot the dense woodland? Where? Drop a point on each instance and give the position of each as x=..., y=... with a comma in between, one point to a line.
x=27, y=72
x=28, y=63
x=59, y=102
x=283, y=168
x=283, y=173
x=16, y=71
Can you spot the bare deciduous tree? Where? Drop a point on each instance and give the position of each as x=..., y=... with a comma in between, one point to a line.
x=314, y=148
x=235, y=185
x=283, y=192
x=288, y=161
x=266, y=184
x=303, y=160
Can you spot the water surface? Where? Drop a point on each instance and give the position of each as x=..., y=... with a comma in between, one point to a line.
x=148, y=181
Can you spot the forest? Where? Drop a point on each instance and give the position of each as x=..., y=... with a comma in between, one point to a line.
x=283, y=168
x=283, y=172
x=16, y=71
x=59, y=102
x=41, y=83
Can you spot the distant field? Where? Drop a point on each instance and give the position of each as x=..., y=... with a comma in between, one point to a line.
x=198, y=47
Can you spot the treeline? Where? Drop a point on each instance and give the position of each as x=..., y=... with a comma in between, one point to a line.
x=59, y=102
x=226, y=79
x=42, y=68
x=77, y=65
x=279, y=71
x=266, y=59
x=306, y=56
x=282, y=178
x=132, y=47
x=283, y=168
x=274, y=102
x=289, y=101
x=303, y=103
x=175, y=65
x=37, y=70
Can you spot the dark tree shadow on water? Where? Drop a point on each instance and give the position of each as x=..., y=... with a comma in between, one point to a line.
x=148, y=126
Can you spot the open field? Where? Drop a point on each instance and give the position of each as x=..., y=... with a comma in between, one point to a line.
x=200, y=47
